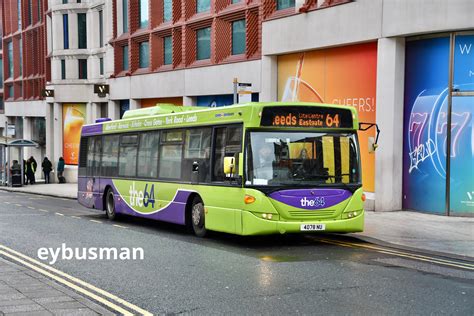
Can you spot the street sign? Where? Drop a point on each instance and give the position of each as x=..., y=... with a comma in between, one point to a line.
x=244, y=92
x=11, y=130
x=48, y=93
x=101, y=90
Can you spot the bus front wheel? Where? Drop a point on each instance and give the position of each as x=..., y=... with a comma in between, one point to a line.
x=198, y=218
x=110, y=205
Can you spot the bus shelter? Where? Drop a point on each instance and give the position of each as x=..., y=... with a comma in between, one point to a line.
x=14, y=150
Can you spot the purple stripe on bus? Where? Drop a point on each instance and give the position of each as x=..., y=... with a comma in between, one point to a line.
x=311, y=199
x=91, y=129
x=89, y=196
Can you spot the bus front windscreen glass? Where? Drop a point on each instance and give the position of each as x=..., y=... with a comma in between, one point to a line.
x=302, y=159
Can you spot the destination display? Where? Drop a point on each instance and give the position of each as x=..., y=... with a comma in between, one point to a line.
x=306, y=116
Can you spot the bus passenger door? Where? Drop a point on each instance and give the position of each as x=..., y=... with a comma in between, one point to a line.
x=96, y=173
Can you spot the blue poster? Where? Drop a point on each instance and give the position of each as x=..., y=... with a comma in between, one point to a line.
x=220, y=100
x=462, y=129
x=424, y=160
x=425, y=126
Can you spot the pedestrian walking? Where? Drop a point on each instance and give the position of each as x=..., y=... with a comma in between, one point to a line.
x=29, y=171
x=60, y=169
x=47, y=167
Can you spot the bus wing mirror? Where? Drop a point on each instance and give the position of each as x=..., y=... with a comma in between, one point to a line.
x=372, y=144
x=229, y=165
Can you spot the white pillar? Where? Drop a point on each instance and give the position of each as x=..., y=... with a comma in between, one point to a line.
x=89, y=113
x=95, y=108
x=49, y=131
x=27, y=133
x=134, y=104
x=389, y=155
x=58, y=133
x=113, y=110
x=269, y=81
x=189, y=101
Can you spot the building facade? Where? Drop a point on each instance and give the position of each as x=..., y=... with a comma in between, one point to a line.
x=406, y=65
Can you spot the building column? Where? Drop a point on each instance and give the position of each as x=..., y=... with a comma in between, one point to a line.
x=89, y=113
x=27, y=133
x=57, y=136
x=49, y=122
x=189, y=101
x=269, y=81
x=389, y=155
x=134, y=104
x=113, y=110
x=95, y=109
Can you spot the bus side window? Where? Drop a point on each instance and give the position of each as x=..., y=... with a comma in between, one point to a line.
x=90, y=156
x=110, y=156
x=83, y=156
x=197, y=148
x=227, y=143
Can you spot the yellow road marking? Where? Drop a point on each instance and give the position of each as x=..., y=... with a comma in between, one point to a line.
x=440, y=261
x=80, y=282
x=119, y=226
x=93, y=220
x=60, y=214
x=69, y=284
x=19, y=205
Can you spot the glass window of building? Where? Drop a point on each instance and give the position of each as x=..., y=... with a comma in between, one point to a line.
x=38, y=7
x=10, y=91
x=144, y=55
x=125, y=58
x=125, y=16
x=82, y=30
x=20, y=46
x=285, y=4
x=1, y=72
x=65, y=31
x=10, y=59
x=203, y=6
x=168, y=50
x=167, y=10
x=101, y=28
x=82, y=68
x=203, y=39
x=238, y=37
x=101, y=66
x=19, y=13
x=63, y=69
x=64, y=1
x=30, y=12
x=143, y=14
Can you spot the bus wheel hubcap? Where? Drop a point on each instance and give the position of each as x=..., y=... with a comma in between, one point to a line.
x=196, y=215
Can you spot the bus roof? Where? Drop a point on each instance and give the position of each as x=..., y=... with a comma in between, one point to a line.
x=172, y=116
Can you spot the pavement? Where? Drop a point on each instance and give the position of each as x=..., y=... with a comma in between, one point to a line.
x=25, y=292
x=442, y=235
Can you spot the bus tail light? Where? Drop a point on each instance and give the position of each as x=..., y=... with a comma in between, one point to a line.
x=248, y=199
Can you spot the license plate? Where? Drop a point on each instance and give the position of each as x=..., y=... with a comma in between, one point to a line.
x=312, y=227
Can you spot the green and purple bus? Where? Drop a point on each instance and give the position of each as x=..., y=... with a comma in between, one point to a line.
x=252, y=169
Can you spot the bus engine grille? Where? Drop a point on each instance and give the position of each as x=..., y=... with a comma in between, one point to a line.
x=312, y=214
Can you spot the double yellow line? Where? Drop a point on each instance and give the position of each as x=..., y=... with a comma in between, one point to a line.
x=445, y=262
x=111, y=301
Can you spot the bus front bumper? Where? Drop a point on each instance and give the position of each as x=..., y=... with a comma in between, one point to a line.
x=253, y=225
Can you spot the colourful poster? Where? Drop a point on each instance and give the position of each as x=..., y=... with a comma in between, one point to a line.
x=425, y=126
x=74, y=116
x=344, y=75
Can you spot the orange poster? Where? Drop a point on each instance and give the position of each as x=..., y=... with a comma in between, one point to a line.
x=74, y=116
x=343, y=75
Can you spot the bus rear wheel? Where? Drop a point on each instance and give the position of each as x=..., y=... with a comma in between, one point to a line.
x=198, y=218
x=110, y=205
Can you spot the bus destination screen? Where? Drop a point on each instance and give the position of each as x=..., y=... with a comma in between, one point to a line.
x=306, y=116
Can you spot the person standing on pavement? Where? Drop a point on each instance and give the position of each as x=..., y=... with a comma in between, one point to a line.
x=60, y=168
x=34, y=166
x=47, y=167
x=25, y=176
